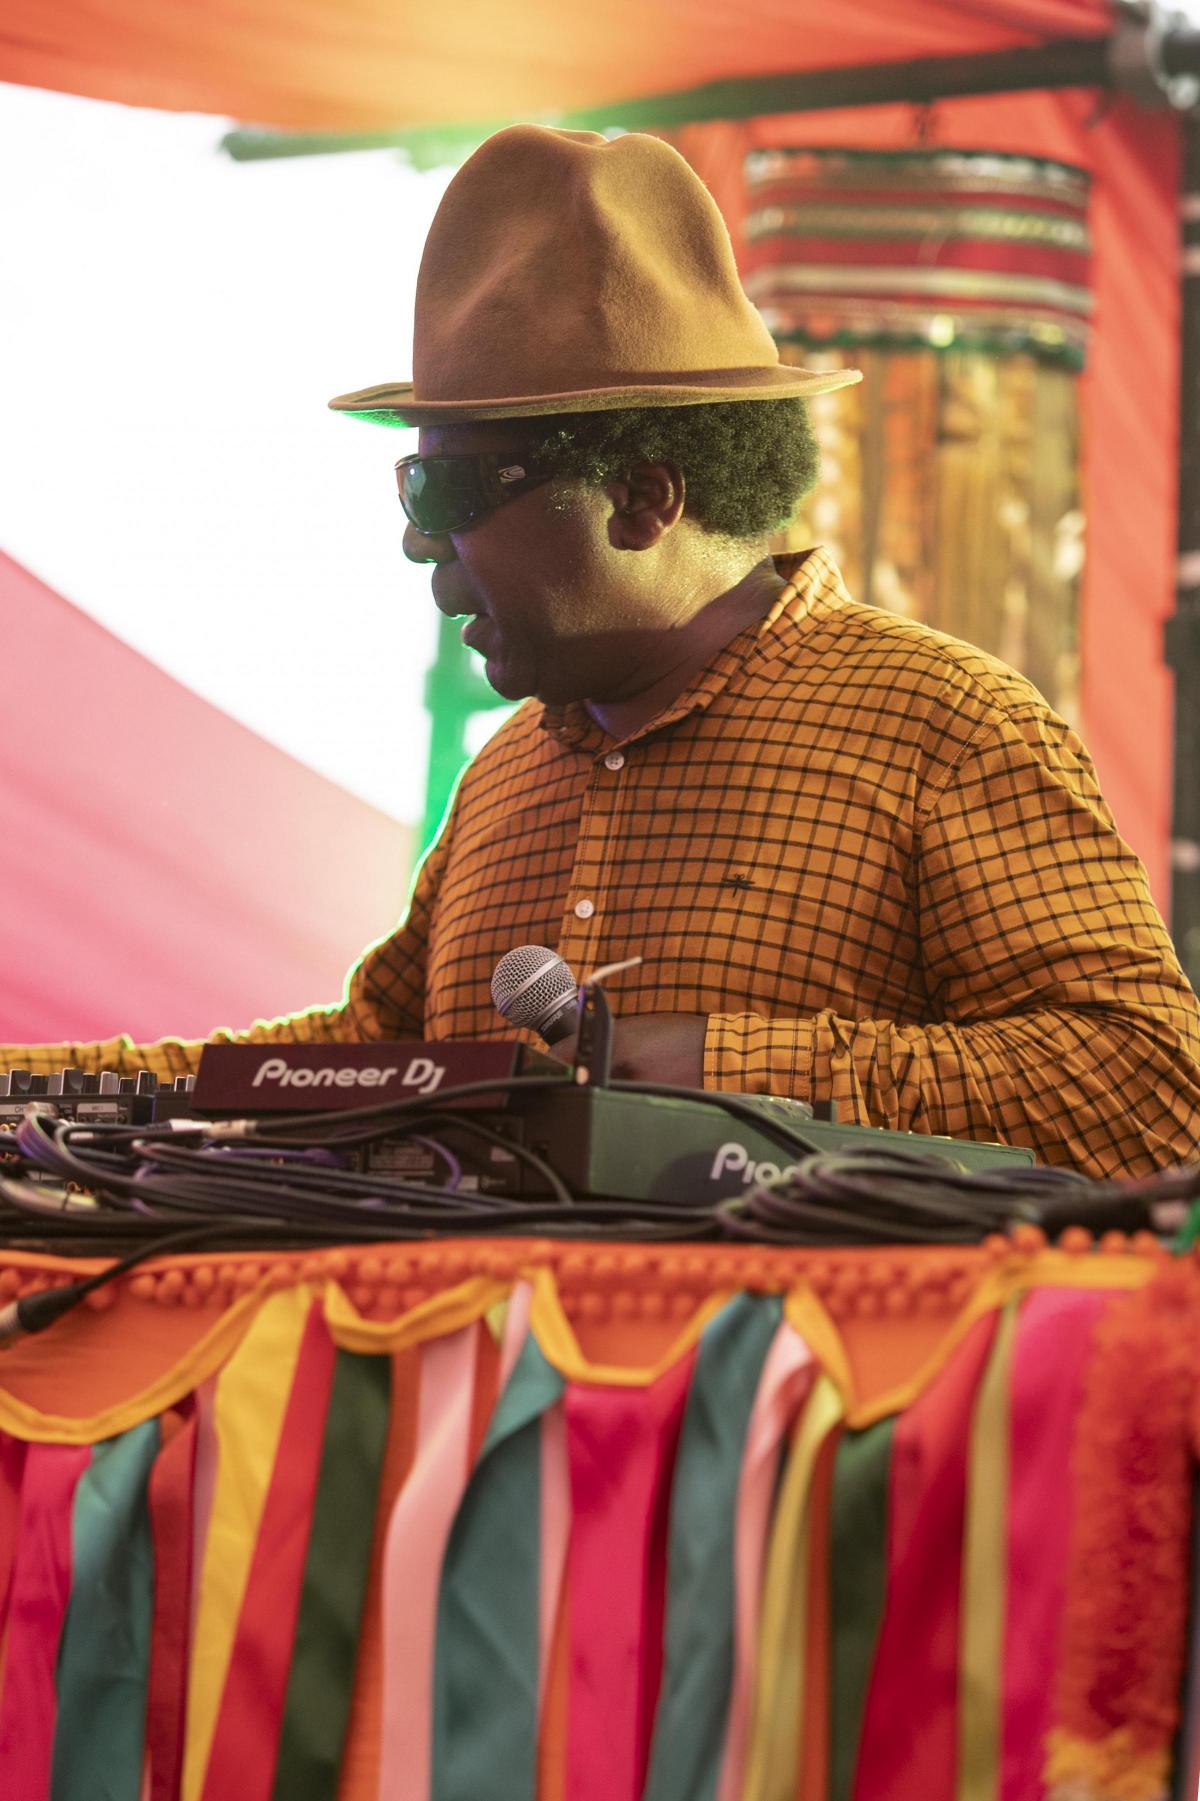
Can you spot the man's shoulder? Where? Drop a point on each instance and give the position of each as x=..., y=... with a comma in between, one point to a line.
x=867, y=657
x=518, y=743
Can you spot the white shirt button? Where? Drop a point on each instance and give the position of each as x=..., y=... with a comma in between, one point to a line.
x=614, y=760
x=584, y=909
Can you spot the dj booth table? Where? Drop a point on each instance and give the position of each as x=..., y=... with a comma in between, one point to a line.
x=596, y=1521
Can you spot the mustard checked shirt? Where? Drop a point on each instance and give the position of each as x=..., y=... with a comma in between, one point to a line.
x=870, y=854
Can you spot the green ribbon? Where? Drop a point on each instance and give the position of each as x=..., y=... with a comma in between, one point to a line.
x=857, y=1588
x=485, y=1698
x=104, y=1652
x=689, y=1730
x=336, y=1568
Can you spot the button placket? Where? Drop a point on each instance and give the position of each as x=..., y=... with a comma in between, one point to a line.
x=593, y=853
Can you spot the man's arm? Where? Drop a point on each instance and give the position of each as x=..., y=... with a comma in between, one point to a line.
x=384, y=999
x=1060, y=1016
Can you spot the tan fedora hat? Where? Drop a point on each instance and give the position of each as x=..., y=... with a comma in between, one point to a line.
x=565, y=273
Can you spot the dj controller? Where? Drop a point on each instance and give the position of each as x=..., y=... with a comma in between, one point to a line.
x=608, y=1141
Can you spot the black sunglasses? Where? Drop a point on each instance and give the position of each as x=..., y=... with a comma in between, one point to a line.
x=442, y=494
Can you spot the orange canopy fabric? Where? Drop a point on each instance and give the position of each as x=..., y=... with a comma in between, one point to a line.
x=375, y=64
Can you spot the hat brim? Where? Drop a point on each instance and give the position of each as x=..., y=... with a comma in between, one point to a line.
x=394, y=403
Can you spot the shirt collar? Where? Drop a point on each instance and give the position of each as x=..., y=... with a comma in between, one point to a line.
x=811, y=577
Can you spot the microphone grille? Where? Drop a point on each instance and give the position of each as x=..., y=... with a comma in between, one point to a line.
x=530, y=984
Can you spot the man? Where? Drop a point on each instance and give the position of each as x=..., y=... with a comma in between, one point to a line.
x=860, y=861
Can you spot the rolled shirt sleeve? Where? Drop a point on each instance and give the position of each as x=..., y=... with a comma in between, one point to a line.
x=1058, y=1015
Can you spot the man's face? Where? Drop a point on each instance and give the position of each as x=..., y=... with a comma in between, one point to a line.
x=536, y=576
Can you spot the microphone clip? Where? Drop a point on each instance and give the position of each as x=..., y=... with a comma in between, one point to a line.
x=593, y=1042
x=594, y=1032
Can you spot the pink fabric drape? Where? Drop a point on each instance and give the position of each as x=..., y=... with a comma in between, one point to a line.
x=621, y=1445
x=166, y=870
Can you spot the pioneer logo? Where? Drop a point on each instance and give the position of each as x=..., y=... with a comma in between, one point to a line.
x=422, y=1075
x=734, y=1160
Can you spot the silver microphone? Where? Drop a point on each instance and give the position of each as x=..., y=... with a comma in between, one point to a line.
x=533, y=987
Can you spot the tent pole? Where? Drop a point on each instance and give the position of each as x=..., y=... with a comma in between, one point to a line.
x=1183, y=630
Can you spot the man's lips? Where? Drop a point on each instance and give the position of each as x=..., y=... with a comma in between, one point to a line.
x=478, y=633
x=446, y=602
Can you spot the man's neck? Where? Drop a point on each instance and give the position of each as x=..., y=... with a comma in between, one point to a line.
x=685, y=650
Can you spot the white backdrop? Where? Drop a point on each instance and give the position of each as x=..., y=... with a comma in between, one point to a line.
x=171, y=326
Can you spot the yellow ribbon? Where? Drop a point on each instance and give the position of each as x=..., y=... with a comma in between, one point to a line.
x=251, y=1400
x=775, y=1733
x=984, y=1572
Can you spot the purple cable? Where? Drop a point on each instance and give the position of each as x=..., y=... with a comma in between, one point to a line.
x=440, y=1150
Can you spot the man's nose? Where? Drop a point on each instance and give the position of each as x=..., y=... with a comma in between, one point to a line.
x=421, y=548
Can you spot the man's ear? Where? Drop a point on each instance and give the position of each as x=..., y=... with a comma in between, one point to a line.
x=646, y=504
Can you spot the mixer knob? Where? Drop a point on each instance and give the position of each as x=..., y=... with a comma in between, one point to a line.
x=146, y=1083
x=109, y=1082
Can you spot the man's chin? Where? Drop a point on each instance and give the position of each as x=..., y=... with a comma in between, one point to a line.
x=505, y=686
x=509, y=682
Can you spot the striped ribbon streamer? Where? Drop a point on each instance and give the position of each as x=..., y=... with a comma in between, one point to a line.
x=104, y=1652
x=776, y=1739
x=362, y=1751
x=170, y=1496
x=246, y=1736
x=489, y=1624
x=38, y=1595
x=622, y=1445
x=858, y=1588
x=1187, y=1768
x=554, y=1500
x=985, y=1531
x=813, y=1774
x=909, y=1745
x=689, y=1732
x=553, y=1622
x=786, y=1379
x=552, y=1735
x=204, y=1488
x=1053, y=1344
x=416, y=1540
x=325, y=1649
x=249, y=1405
x=12, y=1469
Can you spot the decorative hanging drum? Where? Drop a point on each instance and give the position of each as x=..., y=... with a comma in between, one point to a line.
x=958, y=282
x=973, y=249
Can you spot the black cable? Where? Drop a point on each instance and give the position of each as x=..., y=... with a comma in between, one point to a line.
x=153, y=1183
